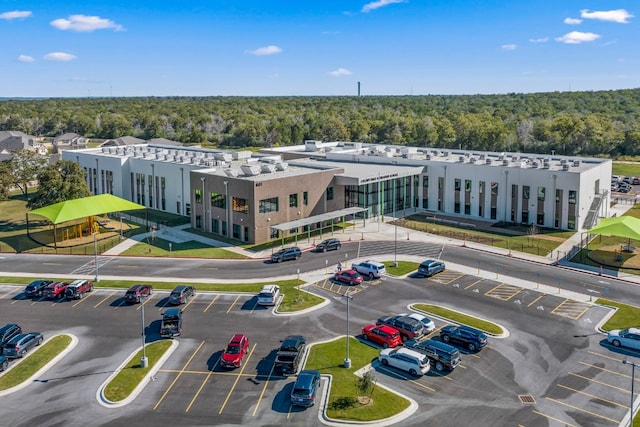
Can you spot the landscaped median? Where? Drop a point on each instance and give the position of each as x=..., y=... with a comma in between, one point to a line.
x=130, y=378
x=22, y=372
x=462, y=319
x=342, y=404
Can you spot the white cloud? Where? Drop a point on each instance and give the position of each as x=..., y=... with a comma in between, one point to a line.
x=378, y=4
x=539, y=40
x=620, y=16
x=15, y=14
x=84, y=24
x=340, y=72
x=25, y=58
x=266, y=50
x=572, y=21
x=511, y=46
x=577, y=37
x=59, y=56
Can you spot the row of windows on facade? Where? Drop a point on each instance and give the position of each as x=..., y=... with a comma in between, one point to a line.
x=106, y=179
x=138, y=187
x=272, y=204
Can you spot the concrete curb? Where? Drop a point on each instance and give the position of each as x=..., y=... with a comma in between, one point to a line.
x=45, y=368
x=505, y=334
x=100, y=397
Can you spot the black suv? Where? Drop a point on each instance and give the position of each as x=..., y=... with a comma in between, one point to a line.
x=473, y=339
x=328, y=245
x=180, y=294
x=7, y=332
x=409, y=328
x=290, y=354
x=442, y=356
x=35, y=288
x=286, y=254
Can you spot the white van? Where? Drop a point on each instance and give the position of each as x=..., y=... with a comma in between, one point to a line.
x=269, y=295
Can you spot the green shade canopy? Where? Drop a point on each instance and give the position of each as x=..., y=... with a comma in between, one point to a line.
x=623, y=226
x=84, y=207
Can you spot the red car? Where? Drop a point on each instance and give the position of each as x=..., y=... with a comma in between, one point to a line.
x=137, y=292
x=55, y=290
x=234, y=353
x=350, y=277
x=383, y=335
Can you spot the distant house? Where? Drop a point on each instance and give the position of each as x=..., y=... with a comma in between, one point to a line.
x=69, y=141
x=164, y=141
x=123, y=141
x=12, y=141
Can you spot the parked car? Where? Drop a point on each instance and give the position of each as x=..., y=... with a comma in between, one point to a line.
x=626, y=180
x=286, y=254
x=409, y=328
x=430, y=267
x=4, y=363
x=403, y=358
x=234, y=353
x=136, y=292
x=382, y=335
x=328, y=245
x=472, y=338
x=55, y=290
x=635, y=181
x=350, y=277
x=181, y=293
x=624, y=187
x=615, y=178
x=35, y=288
x=442, y=355
x=369, y=268
x=289, y=354
x=305, y=388
x=20, y=344
x=629, y=337
x=427, y=324
x=171, y=325
x=269, y=295
x=78, y=288
x=7, y=332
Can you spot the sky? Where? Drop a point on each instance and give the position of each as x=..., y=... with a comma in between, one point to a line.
x=99, y=48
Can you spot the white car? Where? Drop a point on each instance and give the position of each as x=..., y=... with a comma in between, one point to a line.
x=427, y=323
x=625, y=338
x=269, y=295
x=408, y=360
x=370, y=269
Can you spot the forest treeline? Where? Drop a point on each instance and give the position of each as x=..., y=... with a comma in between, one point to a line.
x=599, y=123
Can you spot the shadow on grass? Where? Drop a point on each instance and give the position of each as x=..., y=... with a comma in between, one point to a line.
x=342, y=403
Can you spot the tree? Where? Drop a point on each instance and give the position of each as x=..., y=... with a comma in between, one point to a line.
x=25, y=165
x=5, y=180
x=57, y=183
x=365, y=386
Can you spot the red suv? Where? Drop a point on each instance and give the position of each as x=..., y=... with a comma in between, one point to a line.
x=136, y=292
x=382, y=335
x=234, y=353
x=55, y=290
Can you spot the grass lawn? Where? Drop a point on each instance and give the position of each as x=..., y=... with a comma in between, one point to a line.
x=626, y=315
x=328, y=358
x=35, y=360
x=132, y=373
x=626, y=169
x=463, y=319
x=160, y=248
x=404, y=267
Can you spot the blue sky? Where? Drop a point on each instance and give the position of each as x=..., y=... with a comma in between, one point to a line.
x=73, y=48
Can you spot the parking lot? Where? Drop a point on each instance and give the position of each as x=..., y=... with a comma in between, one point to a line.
x=552, y=369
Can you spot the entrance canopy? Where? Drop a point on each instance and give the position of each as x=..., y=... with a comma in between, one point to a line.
x=84, y=207
x=285, y=226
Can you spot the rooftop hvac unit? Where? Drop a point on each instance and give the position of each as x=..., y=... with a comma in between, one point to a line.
x=105, y=149
x=545, y=165
x=472, y=160
x=565, y=167
x=250, y=170
x=563, y=161
x=482, y=156
x=282, y=166
x=428, y=156
x=231, y=172
x=461, y=159
x=488, y=161
x=514, y=158
x=267, y=168
x=576, y=163
x=505, y=162
x=193, y=160
x=534, y=164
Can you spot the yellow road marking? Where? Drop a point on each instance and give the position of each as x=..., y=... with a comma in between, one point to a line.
x=603, y=369
x=584, y=410
x=195, y=396
x=177, y=376
x=561, y=304
x=514, y=294
x=211, y=303
x=591, y=395
x=474, y=283
x=606, y=356
x=566, y=424
x=233, y=303
x=581, y=314
x=598, y=382
x=84, y=298
x=222, y=374
x=104, y=299
x=264, y=388
x=384, y=368
x=489, y=292
x=244, y=365
x=536, y=300
x=190, y=301
x=144, y=301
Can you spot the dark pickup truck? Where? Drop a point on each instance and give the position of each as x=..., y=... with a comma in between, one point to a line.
x=171, y=323
x=290, y=354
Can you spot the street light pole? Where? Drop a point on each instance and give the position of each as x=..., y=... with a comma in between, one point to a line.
x=395, y=244
x=347, y=361
x=95, y=255
x=144, y=362
x=633, y=379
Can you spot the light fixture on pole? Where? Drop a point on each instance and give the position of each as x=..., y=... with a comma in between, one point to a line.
x=633, y=379
x=95, y=255
x=347, y=360
x=144, y=362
